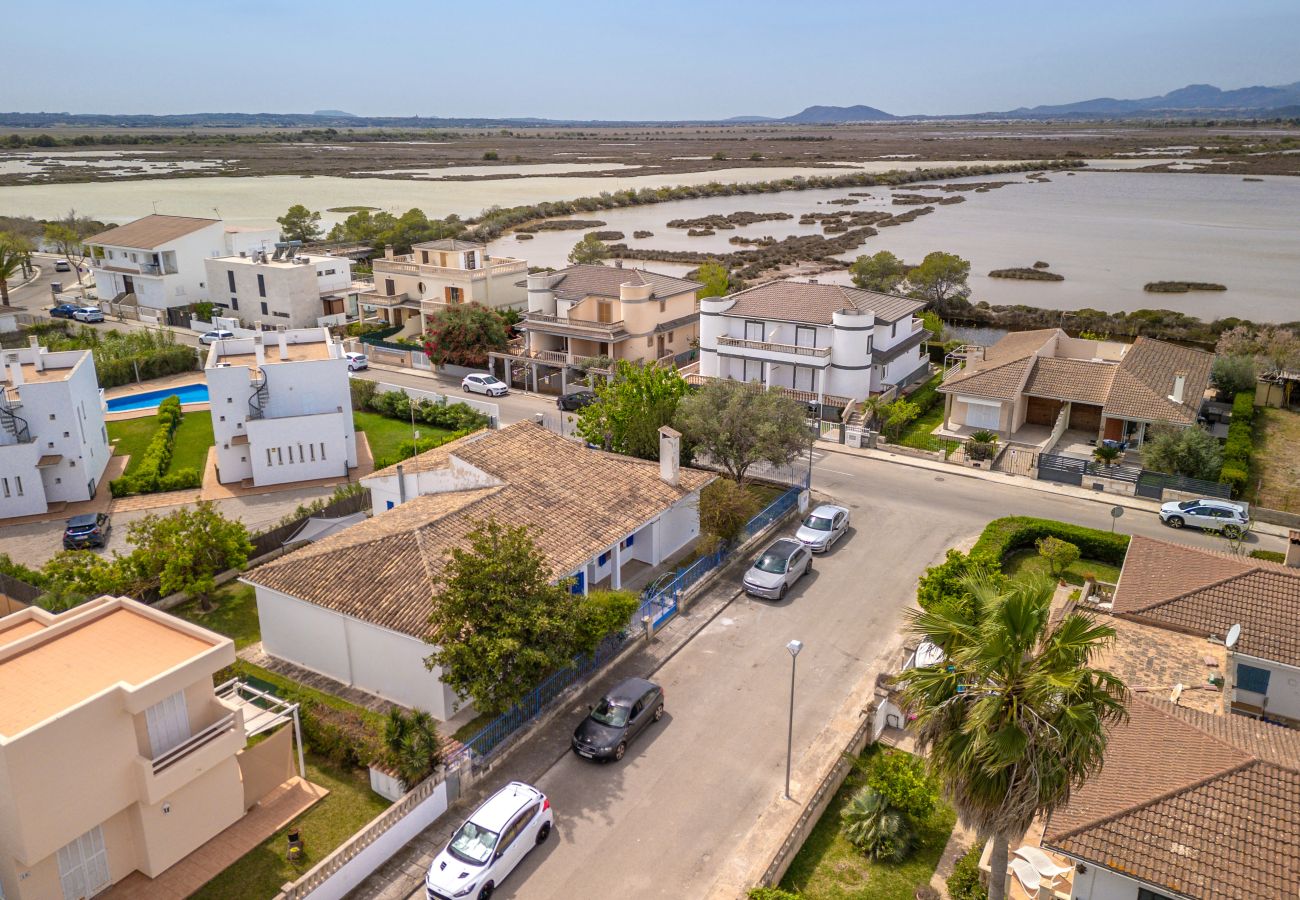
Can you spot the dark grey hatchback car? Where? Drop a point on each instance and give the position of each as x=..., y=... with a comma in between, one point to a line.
x=620, y=716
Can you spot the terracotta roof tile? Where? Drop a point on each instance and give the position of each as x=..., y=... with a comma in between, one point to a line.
x=577, y=282
x=1145, y=380
x=150, y=232
x=997, y=381
x=1201, y=805
x=577, y=501
x=1205, y=592
x=1077, y=380
x=798, y=301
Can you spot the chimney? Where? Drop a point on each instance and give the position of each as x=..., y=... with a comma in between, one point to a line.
x=284, y=347
x=1293, y=549
x=1180, y=382
x=401, y=484
x=259, y=350
x=16, y=374
x=670, y=455
x=388, y=251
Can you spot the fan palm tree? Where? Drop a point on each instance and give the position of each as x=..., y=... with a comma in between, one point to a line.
x=11, y=263
x=872, y=410
x=1105, y=454
x=1016, y=716
x=877, y=828
x=411, y=742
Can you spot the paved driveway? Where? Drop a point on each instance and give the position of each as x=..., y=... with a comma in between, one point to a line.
x=663, y=821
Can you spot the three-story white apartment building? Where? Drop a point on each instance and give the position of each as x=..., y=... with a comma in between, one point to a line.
x=157, y=262
x=820, y=339
x=291, y=289
x=281, y=407
x=53, y=443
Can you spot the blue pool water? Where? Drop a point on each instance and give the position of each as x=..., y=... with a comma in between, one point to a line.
x=188, y=393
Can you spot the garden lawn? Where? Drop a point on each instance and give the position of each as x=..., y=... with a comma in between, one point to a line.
x=1020, y=563
x=1276, y=460
x=918, y=434
x=828, y=867
x=261, y=872
x=234, y=614
x=189, y=450
x=384, y=434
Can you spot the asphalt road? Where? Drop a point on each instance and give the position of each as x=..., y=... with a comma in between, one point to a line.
x=661, y=822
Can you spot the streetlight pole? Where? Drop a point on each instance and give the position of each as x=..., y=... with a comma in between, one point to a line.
x=794, y=647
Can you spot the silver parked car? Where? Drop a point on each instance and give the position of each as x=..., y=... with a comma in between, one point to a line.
x=823, y=527
x=778, y=567
x=1212, y=515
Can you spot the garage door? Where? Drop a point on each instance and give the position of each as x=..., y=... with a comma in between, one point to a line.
x=978, y=415
x=1085, y=417
x=1042, y=411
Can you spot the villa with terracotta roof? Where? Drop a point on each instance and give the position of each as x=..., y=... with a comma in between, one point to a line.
x=1031, y=383
x=1204, y=593
x=355, y=605
x=119, y=760
x=825, y=342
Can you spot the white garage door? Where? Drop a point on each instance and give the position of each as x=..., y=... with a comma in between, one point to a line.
x=978, y=415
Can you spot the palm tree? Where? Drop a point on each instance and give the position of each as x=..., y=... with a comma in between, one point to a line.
x=411, y=742
x=1016, y=717
x=872, y=409
x=11, y=263
x=1106, y=454
x=877, y=828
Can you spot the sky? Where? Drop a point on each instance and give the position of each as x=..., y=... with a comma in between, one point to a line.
x=654, y=59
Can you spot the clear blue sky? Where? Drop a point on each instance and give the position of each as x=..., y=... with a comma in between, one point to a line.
x=653, y=59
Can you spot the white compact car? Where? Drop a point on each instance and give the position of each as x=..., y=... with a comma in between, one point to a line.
x=483, y=383
x=88, y=314
x=823, y=527
x=357, y=361
x=490, y=844
x=211, y=337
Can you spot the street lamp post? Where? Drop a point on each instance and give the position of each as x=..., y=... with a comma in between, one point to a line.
x=794, y=647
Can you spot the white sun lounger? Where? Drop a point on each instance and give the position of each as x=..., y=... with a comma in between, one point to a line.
x=1041, y=862
x=1026, y=874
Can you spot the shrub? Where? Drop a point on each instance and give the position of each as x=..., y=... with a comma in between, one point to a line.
x=726, y=508
x=981, y=450
x=964, y=883
x=877, y=828
x=407, y=449
x=1268, y=555
x=903, y=781
x=1243, y=407
x=1005, y=535
x=363, y=392
x=1236, y=477
x=1234, y=375
x=942, y=583
x=149, y=475
x=1060, y=555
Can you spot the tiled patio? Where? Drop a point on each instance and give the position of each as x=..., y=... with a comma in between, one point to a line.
x=1053, y=889
x=277, y=809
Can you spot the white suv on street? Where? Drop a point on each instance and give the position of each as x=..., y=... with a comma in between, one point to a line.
x=490, y=844
x=483, y=383
x=1212, y=515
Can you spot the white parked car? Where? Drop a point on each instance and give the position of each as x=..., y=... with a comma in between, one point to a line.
x=1212, y=515
x=211, y=337
x=823, y=527
x=483, y=383
x=490, y=844
x=782, y=564
x=357, y=361
x=88, y=314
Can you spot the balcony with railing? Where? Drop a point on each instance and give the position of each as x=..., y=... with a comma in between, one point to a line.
x=605, y=331
x=769, y=350
x=388, y=301
x=160, y=776
x=409, y=264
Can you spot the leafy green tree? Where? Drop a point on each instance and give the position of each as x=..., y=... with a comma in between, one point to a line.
x=726, y=508
x=411, y=745
x=1059, y=554
x=1015, y=717
x=738, y=426
x=71, y=577
x=11, y=263
x=414, y=227
x=902, y=780
x=1193, y=452
x=716, y=279
x=66, y=241
x=1231, y=375
x=940, y=279
x=882, y=272
x=932, y=323
x=897, y=415
x=631, y=407
x=500, y=624
x=364, y=227
x=300, y=224
x=463, y=334
x=590, y=250
x=877, y=828
x=186, y=549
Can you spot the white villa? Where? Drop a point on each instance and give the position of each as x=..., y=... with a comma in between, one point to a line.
x=820, y=340
x=296, y=291
x=53, y=443
x=281, y=407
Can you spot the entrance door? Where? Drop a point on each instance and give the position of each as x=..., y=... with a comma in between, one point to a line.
x=128, y=284
x=169, y=723
x=661, y=348
x=83, y=866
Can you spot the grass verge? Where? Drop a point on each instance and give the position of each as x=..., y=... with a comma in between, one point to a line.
x=1026, y=562
x=1276, y=460
x=189, y=448
x=234, y=614
x=828, y=867
x=385, y=434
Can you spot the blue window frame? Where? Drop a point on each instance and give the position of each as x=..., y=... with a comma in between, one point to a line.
x=604, y=558
x=1252, y=678
x=579, y=579
x=390, y=505
x=631, y=539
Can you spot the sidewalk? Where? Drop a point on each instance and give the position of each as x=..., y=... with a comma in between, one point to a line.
x=1049, y=487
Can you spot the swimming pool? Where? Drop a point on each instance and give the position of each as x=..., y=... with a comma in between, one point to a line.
x=188, y=393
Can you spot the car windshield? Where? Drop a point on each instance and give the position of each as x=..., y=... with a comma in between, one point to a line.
x=1189, y=504
x=81, y=529
x=490, y=379
x=817, y=523
x=609, y=713
x=771, y=562
x=473, y=844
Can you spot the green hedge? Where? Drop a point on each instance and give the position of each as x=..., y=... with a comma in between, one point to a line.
x=150, y=475
x=151, y=364
x=1006, y=535
x=1240, y=446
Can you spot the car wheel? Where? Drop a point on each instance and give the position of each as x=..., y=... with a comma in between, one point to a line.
x=659, y=712
x=620, y=750
x=1231, y=531
x=544, y=832
x=1174, y=521
x=785, y=589
x=486, y=891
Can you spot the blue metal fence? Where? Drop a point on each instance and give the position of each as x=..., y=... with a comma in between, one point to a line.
x=659, y=603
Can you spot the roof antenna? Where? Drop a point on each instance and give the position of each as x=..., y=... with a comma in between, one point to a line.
x=155, y=206
x=217, y=211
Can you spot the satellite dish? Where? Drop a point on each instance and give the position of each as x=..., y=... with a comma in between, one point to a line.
x=1234, y=634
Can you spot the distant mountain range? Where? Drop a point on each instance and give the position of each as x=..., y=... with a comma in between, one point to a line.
x=1194, y=100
